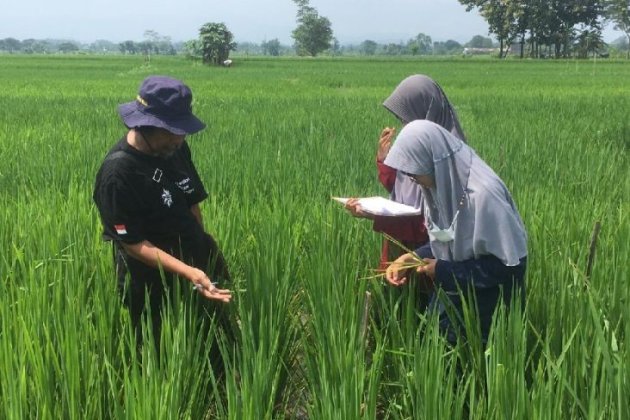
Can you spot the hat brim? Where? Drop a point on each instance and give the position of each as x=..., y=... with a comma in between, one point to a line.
x=133, y=116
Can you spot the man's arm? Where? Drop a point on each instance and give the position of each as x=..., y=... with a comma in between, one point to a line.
x=154, y=257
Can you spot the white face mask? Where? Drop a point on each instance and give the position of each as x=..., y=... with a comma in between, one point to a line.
x=443, y=235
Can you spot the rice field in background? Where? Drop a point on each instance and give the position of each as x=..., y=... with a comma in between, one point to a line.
x=283, y=136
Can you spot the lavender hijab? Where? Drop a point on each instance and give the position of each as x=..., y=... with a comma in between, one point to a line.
x=488, y=222
x=418, y=97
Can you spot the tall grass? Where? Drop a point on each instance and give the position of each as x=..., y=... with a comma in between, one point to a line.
x=283, y=137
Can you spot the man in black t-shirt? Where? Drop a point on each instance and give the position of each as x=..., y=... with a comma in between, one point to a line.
x=148, y=192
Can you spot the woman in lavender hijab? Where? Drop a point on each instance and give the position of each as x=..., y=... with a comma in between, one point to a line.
x=478, y=241
x=417, y=97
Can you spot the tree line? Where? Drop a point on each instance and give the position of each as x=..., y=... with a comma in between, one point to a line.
x=271, y=47
x=51, y=46
x=420, y=45
x=562, y=28
x=533, y=28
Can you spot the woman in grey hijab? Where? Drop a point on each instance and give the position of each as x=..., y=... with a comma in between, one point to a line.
x=417, y=97
x=477, y=238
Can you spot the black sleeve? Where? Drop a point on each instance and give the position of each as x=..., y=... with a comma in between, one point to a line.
x=121, y=211
x=485, y=272
x=425, y=251
x=199, y=194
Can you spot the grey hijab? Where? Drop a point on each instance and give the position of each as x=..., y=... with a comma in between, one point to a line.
x=418, y=97
x=488, y=222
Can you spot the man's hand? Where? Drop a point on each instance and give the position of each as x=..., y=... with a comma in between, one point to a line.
x=385, y=143
x=153, y=256
x=204, y=286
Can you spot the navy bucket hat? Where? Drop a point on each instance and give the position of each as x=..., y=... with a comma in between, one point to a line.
x=162, y=102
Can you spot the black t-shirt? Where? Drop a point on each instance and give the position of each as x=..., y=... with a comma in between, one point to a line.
x=141, y=197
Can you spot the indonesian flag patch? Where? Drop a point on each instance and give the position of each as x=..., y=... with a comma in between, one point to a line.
x=120, y=229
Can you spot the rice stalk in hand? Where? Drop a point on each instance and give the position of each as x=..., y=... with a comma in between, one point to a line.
x=417, y=261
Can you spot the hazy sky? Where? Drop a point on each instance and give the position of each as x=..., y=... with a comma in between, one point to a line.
x=249, y=20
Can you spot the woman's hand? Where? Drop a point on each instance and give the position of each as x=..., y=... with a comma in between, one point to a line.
x=385, y=143
x=204, y=286
x=396, y=270
x=428, y=269
x=353, y=206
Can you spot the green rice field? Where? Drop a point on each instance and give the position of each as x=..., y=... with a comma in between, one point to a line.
x=283, y=136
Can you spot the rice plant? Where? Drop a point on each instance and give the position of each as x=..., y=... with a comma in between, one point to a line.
x=284, y=135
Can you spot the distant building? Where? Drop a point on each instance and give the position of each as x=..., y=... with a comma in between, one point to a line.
x=480, y=51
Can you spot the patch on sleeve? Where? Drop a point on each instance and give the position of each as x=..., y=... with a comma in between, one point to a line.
x=121, y=229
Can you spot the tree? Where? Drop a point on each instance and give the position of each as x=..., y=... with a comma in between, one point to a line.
x=564, y=17
x=587, y=42
x=103, y=46
x=448, y=47
x=335, y=47
x=394, y=49
x=149, y=45
x=313, y=34
x=618, y=12
x=192, y=49
x=11, y=45
x=549, y=22
x=453, y=46
x=127, y=47
x=158, y=44
x=500, y=15
x=216, y=43
x=412, y=47
x=368, y=47
x=145, y=47
x=33, y=46
x=68, y=47
x=271, y=47
x=621, y=43
x=425, y=43
x=479, y=41
x=421, y=44
x=523, y=11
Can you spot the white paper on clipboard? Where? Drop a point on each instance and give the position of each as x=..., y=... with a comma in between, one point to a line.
x=380, y=206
